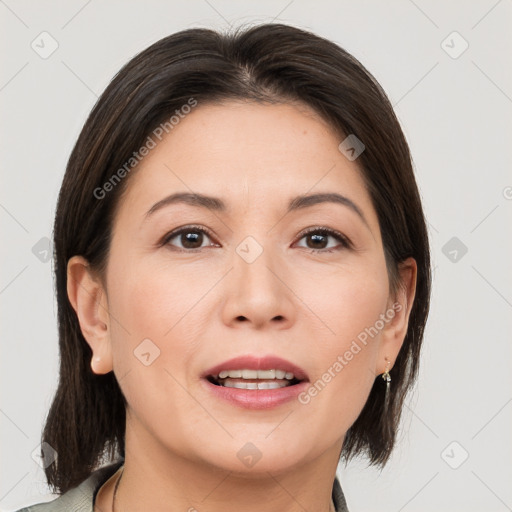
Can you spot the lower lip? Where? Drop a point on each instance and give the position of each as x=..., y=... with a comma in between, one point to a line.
x=256, y=398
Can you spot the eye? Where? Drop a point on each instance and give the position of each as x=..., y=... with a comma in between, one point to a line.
x=319, y=237
x=191, y=237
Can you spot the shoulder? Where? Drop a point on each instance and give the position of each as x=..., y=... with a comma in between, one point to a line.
x=80, y=498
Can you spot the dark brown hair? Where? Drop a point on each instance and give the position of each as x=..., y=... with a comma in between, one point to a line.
x=265, y=63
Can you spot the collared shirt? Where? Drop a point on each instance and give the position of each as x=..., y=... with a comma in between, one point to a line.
x=81, y=498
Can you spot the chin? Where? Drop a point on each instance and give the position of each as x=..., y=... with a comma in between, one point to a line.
x=258, y=458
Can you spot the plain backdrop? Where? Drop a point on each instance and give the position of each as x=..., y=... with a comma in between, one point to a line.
x=446, y=67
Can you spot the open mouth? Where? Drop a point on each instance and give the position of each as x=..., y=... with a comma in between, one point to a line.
x=254, y=379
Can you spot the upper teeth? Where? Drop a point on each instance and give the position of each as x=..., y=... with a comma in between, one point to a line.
x=256, y=374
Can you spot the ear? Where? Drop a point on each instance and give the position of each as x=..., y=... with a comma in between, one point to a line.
x=397, y=315
x=89, y=300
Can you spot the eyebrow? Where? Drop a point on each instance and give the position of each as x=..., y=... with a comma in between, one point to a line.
x=217, y=204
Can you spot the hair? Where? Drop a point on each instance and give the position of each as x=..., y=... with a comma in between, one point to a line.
x=267, y=63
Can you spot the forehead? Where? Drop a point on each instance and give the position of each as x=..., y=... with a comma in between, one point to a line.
x=249, y=153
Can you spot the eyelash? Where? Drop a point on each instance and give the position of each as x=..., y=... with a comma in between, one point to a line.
x=344, y=241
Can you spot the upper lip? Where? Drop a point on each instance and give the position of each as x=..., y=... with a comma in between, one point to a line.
x=250, y=362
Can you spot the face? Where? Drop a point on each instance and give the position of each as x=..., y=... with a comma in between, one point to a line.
x=191, y=286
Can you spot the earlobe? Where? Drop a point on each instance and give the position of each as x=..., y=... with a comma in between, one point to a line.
x=101, y=364
x=395, y=331
x=88, y=298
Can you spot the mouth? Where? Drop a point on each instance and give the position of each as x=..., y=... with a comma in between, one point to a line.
x=255, y=383
x=254, y=379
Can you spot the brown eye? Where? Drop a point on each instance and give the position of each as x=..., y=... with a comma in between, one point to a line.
x=190, y=238
x=318, y=240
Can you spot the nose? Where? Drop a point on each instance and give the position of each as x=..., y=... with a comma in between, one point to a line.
x=258, y=294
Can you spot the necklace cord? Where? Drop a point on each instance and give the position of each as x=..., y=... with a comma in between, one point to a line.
x=115, y=490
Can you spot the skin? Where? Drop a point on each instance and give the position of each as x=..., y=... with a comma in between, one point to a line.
x=208, y=305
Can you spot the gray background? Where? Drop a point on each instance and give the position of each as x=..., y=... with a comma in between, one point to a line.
x=455, y=109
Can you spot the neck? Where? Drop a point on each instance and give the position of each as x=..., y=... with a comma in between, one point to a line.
x=155, y=479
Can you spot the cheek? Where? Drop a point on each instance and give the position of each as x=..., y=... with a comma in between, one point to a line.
x=150, y=297
x=347, y=300
x=346, y=352
x=149, y=300
x=151, y=341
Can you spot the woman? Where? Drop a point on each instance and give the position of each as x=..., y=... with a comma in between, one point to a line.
x=243, y=279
